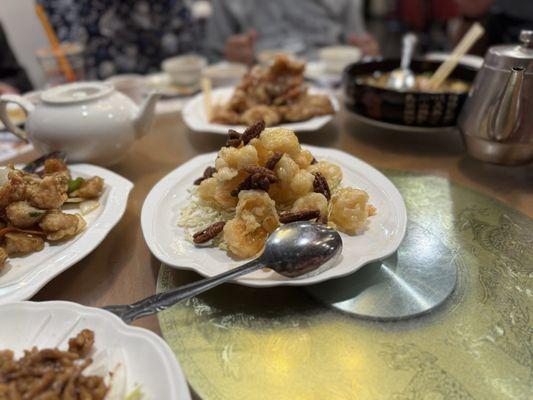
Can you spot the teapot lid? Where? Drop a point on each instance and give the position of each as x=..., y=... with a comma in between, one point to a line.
x=513, y=56
x=76, y=92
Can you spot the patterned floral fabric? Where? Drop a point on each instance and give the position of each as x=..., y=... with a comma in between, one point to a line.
x=131, y=36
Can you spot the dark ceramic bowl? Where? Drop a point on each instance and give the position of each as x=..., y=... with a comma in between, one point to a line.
x=419, y=109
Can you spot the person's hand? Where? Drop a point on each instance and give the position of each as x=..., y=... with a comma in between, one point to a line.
x=241, y=48
x=7, y=89
x=366, y=42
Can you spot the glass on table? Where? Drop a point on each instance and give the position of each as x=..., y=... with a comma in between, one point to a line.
x=51, y=61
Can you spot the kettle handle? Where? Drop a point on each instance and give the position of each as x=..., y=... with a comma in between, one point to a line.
x=506, y=117
x=26, y=105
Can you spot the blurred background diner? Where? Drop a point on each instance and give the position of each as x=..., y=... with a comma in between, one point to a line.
x=109, y=37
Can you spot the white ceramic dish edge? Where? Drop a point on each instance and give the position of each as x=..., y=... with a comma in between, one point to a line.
x=175, y=377
x=193, y=114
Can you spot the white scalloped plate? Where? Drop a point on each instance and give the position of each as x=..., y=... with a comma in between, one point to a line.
x=195, y=117
x=147, y=359
x=24, y=276
x=168, y=242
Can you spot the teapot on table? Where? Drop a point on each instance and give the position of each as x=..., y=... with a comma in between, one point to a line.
x=497, y=120
x=89, y=121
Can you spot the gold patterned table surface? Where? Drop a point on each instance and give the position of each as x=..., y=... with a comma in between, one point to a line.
x=279, y=343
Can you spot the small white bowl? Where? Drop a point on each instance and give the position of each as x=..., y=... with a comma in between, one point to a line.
x=224, y=73
x=336, y=58
x=132, y=85
x=184, y=70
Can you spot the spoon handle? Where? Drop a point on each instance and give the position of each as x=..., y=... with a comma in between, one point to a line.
x=409, y=43
x=162, y=301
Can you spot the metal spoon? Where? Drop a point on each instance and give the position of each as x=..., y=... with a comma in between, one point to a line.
x=403, y=78
x=292, y=250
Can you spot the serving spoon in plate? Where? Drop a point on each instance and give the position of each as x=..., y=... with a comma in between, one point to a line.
x=292, y=250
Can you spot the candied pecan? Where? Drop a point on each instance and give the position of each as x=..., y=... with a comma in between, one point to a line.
x=256, y=169
x=234, y=139
x=208, y=173
x=320, y=185
x=253, y=131
x=208, y=233
x=305, y=215
x=260, y=178
x=272, y=161
x=244, y=185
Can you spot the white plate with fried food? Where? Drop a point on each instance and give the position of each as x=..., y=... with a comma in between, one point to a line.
x=51, y=222
x=276, y=94
x=83, y=350
x=195, y=115
x=242, y=203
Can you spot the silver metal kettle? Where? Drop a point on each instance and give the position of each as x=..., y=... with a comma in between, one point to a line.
x=497, y=119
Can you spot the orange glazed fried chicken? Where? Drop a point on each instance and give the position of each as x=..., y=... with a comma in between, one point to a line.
x=275, y=94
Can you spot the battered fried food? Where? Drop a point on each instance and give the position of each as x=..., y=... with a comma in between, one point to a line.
x=51, y=374
x=23, y=215
x=60, y=226
x=47, y=193
x=91, y=188
x=272, y=180
x=19, y=244
x=275, y=94
x=30, y=207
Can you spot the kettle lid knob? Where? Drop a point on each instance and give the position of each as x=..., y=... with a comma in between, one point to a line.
x=526, y=37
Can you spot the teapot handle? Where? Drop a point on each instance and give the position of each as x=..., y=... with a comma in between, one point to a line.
x=26, y=105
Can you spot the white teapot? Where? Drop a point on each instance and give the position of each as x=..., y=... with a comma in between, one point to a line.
x=89, y=121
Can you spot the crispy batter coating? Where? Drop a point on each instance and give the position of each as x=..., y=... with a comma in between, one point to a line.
x=18, y=244
x=294, y=182
x=23, y=215
x=14, y=189
x=332, y=172
x=311, y=201
x=256, y=217
x=61, y=226
x=47, y=193
x=91, y=188
x=349, y=210
x=261, y=112
x=274, y=94
x=54, y=166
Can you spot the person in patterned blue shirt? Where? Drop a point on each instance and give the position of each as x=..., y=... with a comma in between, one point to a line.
x=131, y=36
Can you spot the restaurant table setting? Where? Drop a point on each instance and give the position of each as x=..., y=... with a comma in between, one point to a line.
x=348, y=247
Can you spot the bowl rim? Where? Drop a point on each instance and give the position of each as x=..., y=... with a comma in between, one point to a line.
x=349, y=73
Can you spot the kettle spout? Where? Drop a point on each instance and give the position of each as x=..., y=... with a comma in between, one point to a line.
x=506, y=117
x=146, y=114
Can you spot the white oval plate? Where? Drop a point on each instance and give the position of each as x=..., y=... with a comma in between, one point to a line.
x=195, y=116
x=24, y=276
x=168, y=242
x=148, y=360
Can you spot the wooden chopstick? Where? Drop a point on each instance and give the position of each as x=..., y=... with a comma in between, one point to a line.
x=447, y=67
x=208, y=103
x=62, y=61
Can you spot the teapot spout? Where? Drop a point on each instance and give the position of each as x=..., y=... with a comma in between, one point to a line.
x=146, y=114
x=507, y=111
